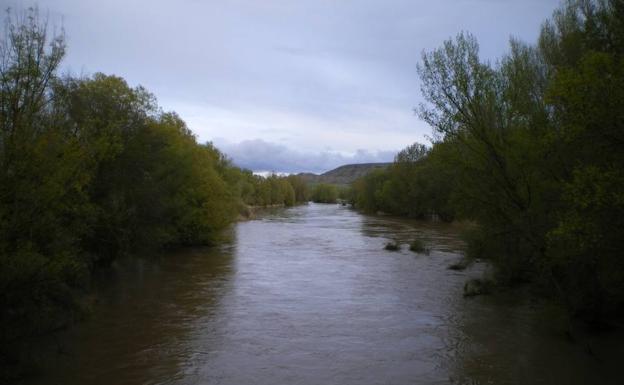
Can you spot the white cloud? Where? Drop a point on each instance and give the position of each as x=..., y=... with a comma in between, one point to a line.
x=261, y=156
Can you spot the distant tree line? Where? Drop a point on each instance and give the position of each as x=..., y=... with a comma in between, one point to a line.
x=530, y=149
x=414, y=185
x=256, y=190
x=324, y=193
x=92, y=169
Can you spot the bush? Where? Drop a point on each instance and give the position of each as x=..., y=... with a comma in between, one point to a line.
x=392, y=246
x=418, y=246
x=475, y=287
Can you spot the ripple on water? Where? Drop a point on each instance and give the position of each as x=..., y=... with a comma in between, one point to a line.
x=308, y=295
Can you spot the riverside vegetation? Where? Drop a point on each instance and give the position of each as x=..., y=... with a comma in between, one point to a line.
x=324, y=193
x=92, y=169
x=529, y=149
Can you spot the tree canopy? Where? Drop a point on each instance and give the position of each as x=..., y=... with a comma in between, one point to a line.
x=92, y=169
x=529, y=149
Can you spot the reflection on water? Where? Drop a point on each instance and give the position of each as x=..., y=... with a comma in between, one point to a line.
x=307, y=295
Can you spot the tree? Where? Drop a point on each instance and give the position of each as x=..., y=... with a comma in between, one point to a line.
x=412, y=153
x=90, y=169
x=300, y=187
x=324, y=193
x=535, y=143
x=42, y=190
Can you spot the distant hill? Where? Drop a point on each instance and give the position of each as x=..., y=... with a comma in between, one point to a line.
x=343, y=175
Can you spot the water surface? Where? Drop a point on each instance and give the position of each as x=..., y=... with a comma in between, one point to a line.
x=308, y=295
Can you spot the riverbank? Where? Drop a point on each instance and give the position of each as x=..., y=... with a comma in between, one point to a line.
x=249, y=212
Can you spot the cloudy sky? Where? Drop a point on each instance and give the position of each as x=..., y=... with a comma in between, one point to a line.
x=280, y=85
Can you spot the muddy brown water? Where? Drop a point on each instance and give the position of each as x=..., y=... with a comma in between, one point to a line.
x=308, y=295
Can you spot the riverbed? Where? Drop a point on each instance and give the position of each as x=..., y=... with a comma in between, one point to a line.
x=308, y=295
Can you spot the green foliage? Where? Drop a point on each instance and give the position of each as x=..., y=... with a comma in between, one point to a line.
x=90, y=169
x=528, y=149
x=43, y=191
x=300, y=188
x=419, y=246
x=533, y=144
x=392, y=246
x=324, y=193
x=367, y=189
x=256, y=190
x=417, y=185
x=345, y=194
x=412, y=154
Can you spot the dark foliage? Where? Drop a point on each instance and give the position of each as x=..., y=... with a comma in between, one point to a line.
x=529, y=150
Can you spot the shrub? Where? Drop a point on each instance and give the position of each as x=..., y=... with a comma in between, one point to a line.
x=418, y=246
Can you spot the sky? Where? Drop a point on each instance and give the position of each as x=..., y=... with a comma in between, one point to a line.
x=285, y=86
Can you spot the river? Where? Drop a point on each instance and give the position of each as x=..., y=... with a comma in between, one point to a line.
x=308, y=295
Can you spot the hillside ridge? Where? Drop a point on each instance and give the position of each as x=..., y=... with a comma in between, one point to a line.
x=343, y=175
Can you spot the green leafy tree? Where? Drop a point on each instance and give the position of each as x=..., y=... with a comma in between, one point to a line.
x=324, y=193
x=43, y=193
x=537, y=144
x=300, y=188
x=90, y=169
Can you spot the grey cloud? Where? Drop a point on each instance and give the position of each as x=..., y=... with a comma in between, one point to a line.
x=259, y=155
x=326, y=72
